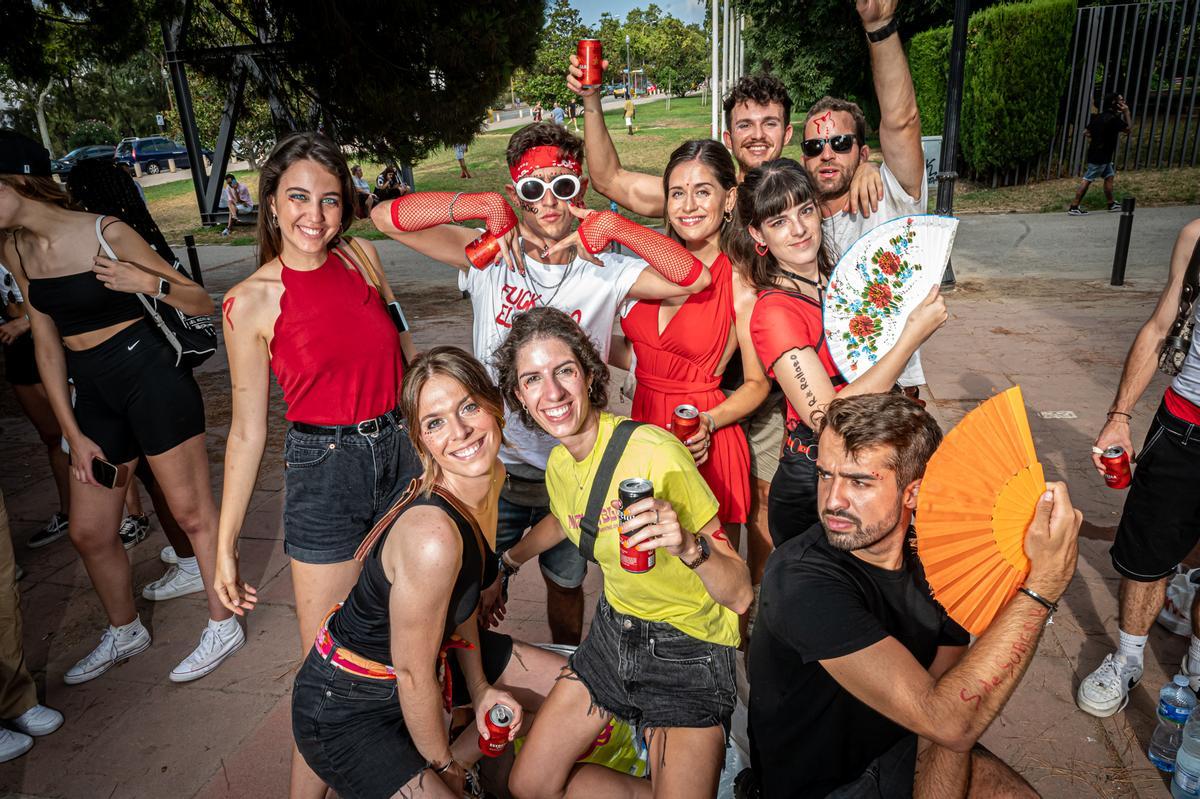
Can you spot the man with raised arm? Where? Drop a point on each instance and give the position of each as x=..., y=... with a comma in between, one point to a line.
x=860, y=685
x=549, y=262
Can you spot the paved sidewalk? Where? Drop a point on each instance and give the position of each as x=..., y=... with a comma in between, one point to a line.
x=1033, y=307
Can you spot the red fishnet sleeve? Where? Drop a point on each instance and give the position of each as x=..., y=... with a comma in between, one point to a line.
x=668, y=257
x=425, y=209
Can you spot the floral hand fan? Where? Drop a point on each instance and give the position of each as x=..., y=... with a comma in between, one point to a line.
x=976, y=501
x=878, y=282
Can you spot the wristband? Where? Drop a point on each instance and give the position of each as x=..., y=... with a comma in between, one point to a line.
x=887, y=30
x=1041, y=600
x=1110, y=415
x=439, y=770
x=712, y=423
x=508, y=566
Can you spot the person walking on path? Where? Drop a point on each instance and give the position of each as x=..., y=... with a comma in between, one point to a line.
x=460, y=155
x=630, y=111
x=1158, y=525
x=1103, y=131
x=557, y=114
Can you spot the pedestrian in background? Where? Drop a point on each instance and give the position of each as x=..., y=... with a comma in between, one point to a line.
x=1103, y=131
x=460, y=154
x=629, y=113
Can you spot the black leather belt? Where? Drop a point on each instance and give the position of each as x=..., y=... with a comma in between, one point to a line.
x=371, y=427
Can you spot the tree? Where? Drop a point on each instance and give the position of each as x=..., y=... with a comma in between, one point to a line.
x=545, y=80
x=679, y=54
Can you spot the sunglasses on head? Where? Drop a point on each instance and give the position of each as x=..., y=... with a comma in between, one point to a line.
x=839, y=144
x=564, y=187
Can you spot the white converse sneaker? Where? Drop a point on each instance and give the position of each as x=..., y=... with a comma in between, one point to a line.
x=1106, y=690
x=106, y=655
x=1186, y=671
x=13, y=744
x=213, y=649
x=38, y=720
x=176, y=582
x=168, y=556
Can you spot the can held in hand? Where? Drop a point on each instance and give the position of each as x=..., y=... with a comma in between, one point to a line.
x=633, y=560
x=590, y=58
x=499, y=719
x=1116, y=467
x=685, y=421
x=483, y=251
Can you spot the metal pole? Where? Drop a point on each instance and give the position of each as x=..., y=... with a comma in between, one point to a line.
x=954, y=90
x=741, y=45
x=1122, y=252
x=628, y=70
x=189, y=241
x=714, y=88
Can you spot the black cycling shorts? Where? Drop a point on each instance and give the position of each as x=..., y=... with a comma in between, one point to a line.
x=20, y=367
x=131, y=398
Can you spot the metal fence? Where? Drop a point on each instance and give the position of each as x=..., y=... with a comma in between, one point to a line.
x=1150, y=53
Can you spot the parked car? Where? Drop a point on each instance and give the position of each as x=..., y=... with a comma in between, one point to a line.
x=618, y=90
x=63, y=166
x=153, y=153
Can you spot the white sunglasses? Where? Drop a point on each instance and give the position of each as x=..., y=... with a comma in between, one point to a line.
x=564, y=187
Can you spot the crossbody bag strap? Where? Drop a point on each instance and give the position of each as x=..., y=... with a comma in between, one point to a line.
x=1191, y=279
x=387, y=521
x=381, y=285
x=366, y=269
x=589, y=525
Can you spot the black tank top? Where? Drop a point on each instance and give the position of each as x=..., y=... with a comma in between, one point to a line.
x=80, y=303
x=362, y=624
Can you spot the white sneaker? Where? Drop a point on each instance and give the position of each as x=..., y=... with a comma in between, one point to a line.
x=1176, y=614
x=13, y=744
x=212, y=650
x=106, y=655
x=176, y=582
x=168, y=556
x=38, y=720
x=1106, y=690
x=1186, y=671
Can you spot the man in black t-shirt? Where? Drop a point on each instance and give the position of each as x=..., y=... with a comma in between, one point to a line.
x=1103, y=131
x=860, y=685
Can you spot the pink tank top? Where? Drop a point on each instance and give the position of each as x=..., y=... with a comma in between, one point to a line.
x=335, y=352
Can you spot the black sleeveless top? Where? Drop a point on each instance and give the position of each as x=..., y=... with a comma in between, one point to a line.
x=363, y=624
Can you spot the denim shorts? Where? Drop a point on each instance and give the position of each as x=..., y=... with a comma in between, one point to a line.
x=351, y=732
x=1099, y=171
x=337, y=485
x=562, y=564
x=1161, y=520
x=651, y=675
x=792, y=502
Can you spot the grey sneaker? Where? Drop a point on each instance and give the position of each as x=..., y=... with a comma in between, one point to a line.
x=13, y=744
x=134, y=530
x=37, y=721
x=55, y=529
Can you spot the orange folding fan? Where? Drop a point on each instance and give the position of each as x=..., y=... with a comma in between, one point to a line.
x=976, y=501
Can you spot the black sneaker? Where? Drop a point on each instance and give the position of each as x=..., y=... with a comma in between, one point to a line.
x=1114, y=206
x=134, y=530
x=55, y=529
x=1075, y=210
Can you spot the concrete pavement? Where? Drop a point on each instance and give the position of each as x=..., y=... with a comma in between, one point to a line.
x=1033, y=307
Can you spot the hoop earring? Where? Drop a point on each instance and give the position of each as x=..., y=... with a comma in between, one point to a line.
x=761, y=248
x=727, y=217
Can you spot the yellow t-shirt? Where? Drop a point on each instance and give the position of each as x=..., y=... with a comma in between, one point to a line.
x=670, y=592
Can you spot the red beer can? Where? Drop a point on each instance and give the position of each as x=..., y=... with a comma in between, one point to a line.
x=685, y=421
x=633, y=560
x=590, y=60
x=483, y=251
x=1116, y=467
x=499, y=719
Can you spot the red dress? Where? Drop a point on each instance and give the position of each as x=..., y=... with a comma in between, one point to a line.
x=678, y=367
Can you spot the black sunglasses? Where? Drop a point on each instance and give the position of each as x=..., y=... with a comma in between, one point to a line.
x=839, y=144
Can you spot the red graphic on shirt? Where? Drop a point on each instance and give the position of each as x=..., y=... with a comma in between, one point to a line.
x=515, y=299
x=227, y=309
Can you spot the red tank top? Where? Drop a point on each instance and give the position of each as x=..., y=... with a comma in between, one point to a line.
x=335, y=351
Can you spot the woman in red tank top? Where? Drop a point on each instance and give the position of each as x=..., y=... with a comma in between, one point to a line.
x=312, y=315
x=683, y=346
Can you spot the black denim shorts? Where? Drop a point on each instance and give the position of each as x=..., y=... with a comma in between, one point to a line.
x=1161, y=520
x=792, y=501
x=651, y=675
x=338, y=485
x=351, y=732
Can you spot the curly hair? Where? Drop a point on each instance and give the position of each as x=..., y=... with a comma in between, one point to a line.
x=540, y=134
x=548, y=323
x=885, y=420
x=762, y=89
x=458, y=365
x=767, y=191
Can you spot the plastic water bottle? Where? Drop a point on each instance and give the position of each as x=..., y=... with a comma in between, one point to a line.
x=1186, y=782
x=1175, y=704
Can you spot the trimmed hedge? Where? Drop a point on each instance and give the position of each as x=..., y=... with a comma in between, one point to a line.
x=1016, y=72
x=929, y=61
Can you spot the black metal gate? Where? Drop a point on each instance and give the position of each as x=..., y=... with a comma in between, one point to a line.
x=1150, y=53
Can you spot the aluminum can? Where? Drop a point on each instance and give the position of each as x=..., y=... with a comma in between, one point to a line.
x=1116, y=467
x=483, y=251
x=499, y=719
x=591, y=59
x=630, y=491
x=685, y=421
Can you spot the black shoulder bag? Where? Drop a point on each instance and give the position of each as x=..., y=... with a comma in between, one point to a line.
x=1179, y=340
x=589, y=525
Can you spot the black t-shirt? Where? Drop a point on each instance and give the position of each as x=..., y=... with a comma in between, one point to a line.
x=1104, y=129
x=808, y=735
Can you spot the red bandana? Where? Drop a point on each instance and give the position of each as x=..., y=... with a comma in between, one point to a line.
x=541, y=158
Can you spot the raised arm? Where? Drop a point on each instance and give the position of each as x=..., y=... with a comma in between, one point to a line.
x=899, y=120
x=638, y=192
x=423, y=221
x=955, y=710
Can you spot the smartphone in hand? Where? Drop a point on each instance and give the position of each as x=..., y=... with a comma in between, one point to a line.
x=109, y=475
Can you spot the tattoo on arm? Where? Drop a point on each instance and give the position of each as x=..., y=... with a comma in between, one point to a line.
x=809, y=396
x=1021, y=649
x=227, y=308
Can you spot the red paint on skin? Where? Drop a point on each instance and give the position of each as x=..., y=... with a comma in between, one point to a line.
x=824, y=119
x=719, y=535
x=227, y=309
